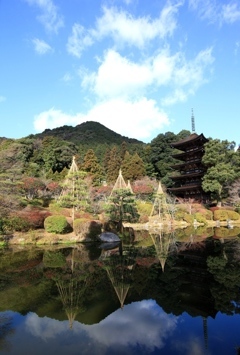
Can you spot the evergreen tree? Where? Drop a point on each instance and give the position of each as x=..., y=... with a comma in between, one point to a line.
x=122, y=206
x=220, y=159
x=161, y=156
x=126, y=166
x=138, y=169
x=74, y=192
x=113, y=165
x=123, y=150
x=92, y=167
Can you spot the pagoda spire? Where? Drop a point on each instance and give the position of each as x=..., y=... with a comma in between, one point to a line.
x=193, y=122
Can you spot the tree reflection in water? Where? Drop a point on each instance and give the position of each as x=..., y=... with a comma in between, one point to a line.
x=185, y=275
x=72, y=284
x=119, y=263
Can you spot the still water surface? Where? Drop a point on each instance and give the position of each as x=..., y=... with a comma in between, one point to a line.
x=159, y=295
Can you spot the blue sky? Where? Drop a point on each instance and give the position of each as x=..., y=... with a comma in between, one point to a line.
x=138, y=67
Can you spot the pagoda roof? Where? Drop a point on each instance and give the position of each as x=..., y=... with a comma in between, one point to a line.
x=185, y=154
x=184, y=188
x=183, y=176
x=192, y=139
x=183, y=165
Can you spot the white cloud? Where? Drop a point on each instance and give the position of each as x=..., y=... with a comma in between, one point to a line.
x=117, y=76
x=190, y=346
x=55, y=118
x=215, y=11
x=44, y=327
x=136, y=119
x=178, y=95
x=41, y=47
x=231, y=12
x=237, y=46
x=188, y=76
x=123, y=28
x=79, y=40
x=50, y=18
x=146, y=314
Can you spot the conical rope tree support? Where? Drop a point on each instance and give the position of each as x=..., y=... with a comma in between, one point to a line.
x=160, y=211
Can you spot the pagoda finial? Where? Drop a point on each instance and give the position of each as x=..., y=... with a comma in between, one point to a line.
x=193, y=122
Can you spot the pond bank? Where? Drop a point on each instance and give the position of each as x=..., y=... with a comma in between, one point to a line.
x=41, y=237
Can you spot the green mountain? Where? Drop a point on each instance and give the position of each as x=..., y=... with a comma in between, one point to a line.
x=87, y=133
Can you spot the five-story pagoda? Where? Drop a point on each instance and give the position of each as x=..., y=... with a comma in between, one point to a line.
x=189, y=170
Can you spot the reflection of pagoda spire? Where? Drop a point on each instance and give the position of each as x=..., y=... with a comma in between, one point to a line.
x=162, y=243
x=205, y=332
x=119, y=269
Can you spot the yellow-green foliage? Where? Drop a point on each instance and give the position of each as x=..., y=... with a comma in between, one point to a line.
x=54, y=259
x=144, y=207
x=144, y=243
x=188, y=218
x=204, y=231
x=56, y=224
x=220, y=215
x=223, y=232
x=224, y=215
x=179, y=215
x=54, y=208
x=207, y=214
x=86, y=227
x=183, y=234
x=200, y=218
x=233, y=215
x=182, y=207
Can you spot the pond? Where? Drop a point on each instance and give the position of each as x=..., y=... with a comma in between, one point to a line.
x=164, y=293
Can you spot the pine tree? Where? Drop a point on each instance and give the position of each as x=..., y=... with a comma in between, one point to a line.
x=126, y=166
x=113, y=165
x=122, y=206
x=138, y=169
x=74, y=192
x=92, y=167
x=132, y=167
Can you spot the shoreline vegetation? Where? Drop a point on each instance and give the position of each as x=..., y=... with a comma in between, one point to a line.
x=41, y=237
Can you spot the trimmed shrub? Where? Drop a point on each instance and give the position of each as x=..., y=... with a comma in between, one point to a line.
x=54, y=259
x=57, y=224
x=15, y=224
x=207, y=214
x=144, y=210
x=87, y=229
x=188, y=218
x=224, y=232
x=34, y=216
x=179, y=215
x=200, y=218
x=220, y=215
x=233, y=215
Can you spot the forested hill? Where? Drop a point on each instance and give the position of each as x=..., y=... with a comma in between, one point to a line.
x=50, y=152
x=87, y=133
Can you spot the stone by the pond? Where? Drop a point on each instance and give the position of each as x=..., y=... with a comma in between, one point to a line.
x=109, y=245
x=109, y=237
